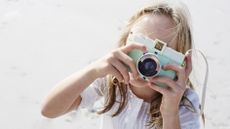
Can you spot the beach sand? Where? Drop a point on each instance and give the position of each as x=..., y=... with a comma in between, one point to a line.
x=43, y=41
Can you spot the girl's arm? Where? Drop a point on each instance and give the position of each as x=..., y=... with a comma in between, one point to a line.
x=171, y=121
x=172, y=94
x=66, y=95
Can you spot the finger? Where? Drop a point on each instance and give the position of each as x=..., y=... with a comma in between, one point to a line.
x=188, y=66
x=117, y=74
x=122, y=69
x=180, y=71
x=128, y=61
x=129, y=47
x=169, y=82
x=161, y=90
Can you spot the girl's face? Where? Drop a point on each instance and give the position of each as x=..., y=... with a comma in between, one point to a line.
x=155, y=27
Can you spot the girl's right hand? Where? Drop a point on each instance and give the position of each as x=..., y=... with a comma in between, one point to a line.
x=116, y=62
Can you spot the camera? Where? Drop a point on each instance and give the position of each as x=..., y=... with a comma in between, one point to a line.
x=150, y=64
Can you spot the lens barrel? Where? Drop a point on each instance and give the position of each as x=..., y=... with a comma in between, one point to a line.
x=148, y=65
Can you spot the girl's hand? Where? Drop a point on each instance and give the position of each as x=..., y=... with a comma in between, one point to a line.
x=173, y=93
x=117, y=62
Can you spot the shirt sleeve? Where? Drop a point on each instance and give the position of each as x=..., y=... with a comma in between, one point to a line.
x=189, y=117
x=93, y=92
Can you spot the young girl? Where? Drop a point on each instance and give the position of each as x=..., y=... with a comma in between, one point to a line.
x=130, y=101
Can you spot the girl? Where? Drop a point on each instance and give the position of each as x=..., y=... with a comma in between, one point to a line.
x=130, y=101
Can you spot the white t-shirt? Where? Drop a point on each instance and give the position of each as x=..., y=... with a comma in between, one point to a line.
x=135, y=115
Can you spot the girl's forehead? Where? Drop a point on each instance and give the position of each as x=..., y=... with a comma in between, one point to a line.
x=156, y=26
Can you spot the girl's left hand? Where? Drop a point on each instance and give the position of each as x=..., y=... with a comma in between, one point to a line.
x=173, y=93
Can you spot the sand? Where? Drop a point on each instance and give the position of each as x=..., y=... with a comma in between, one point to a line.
x=43, y=41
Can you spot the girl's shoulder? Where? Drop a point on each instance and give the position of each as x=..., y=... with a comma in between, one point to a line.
x=189, y=110
x=191, y=100
x=100, y=85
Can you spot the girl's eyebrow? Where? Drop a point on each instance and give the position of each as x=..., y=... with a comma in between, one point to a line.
x=169, y=36
x=141, y=34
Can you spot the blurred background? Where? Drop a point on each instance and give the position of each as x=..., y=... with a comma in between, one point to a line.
x=43, y=41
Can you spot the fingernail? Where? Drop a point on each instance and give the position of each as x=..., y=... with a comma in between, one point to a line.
x=152, y=84
x=152, y=81
x=166, y=67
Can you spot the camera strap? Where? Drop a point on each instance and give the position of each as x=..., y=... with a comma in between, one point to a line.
x=204, y=89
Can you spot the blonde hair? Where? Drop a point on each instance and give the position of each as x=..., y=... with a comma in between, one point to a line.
x=179, y=14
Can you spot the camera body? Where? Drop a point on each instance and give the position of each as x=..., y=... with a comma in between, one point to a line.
x=150, y=64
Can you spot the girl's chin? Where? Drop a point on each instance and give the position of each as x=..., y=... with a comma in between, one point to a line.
x=137, y=82
x=140, y=83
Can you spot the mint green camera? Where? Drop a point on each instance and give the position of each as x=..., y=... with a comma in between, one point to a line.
x=150, y=64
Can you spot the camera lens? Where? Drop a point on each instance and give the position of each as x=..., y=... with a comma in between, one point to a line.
x=148, y=67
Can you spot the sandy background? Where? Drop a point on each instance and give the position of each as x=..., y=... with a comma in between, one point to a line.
x=43, y=41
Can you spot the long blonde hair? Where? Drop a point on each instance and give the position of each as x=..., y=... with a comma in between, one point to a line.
x=179, y=14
